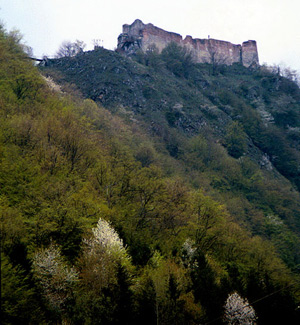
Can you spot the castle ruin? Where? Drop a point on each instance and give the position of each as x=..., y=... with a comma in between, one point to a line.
x=140, y=36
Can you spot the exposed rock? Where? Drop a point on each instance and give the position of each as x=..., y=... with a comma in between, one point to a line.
x=266, y=116
x=265, y=162
x=140, y=36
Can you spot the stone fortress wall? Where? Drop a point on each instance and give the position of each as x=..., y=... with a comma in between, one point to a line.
x=140, y=36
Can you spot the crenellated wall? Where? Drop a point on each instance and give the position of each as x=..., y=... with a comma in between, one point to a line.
x=140, y=36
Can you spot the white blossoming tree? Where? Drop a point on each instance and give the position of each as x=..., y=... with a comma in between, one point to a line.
x=238, y=311
x=103, y=254
x=56, y=279
x=107, y=239
x=188, y=252
x=105, y=289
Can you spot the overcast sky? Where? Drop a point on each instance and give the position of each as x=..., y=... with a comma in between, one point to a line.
x=274, y=24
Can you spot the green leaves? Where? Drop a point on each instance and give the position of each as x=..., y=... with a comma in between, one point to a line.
x=17, y=297
x=178, y=59
x=236, y=140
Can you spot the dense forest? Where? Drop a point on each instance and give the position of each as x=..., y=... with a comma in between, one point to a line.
x=147, y=190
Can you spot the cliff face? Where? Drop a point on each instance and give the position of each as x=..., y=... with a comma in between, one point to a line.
x=140, y=36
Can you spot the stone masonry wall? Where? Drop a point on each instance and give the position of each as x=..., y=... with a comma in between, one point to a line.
x=140, y=36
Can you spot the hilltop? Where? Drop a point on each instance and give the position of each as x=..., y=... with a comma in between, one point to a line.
x=141, y=37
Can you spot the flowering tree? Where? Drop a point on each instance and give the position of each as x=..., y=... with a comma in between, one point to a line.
x=104, y=252
x=188, y=252
x=238, y=311
x=107, y=239
x=55, y=277
x=104, y=292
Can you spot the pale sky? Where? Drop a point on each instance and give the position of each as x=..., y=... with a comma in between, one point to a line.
x=45, y=24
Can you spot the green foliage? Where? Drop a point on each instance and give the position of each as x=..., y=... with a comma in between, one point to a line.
x=177, y=59
x=150, y=58
x=175, y=252
x=235, y=140
x=18, y=299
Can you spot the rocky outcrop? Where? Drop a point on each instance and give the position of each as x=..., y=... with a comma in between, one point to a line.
x=140, y=36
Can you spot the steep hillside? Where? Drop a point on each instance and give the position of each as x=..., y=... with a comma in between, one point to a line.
x=231, y=130
x=113, y=215
x=171, y=90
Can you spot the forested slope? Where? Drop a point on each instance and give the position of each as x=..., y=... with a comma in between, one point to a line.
x=106, y=220
x=231, y=131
